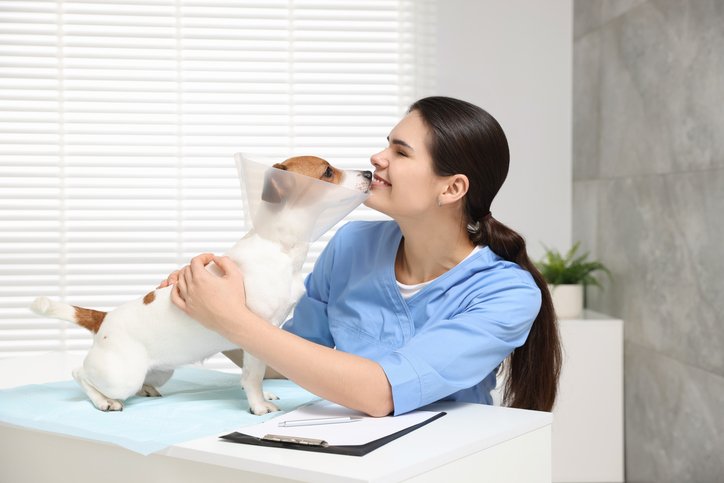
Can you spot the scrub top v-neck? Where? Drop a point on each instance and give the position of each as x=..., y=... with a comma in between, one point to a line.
x=409, y=291
x=444, y=342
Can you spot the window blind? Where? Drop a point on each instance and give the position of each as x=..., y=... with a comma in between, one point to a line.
x=119, y=120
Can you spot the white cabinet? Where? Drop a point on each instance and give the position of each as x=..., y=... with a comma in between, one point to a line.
x=587, y=426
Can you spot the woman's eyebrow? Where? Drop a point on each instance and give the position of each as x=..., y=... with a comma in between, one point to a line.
x=400, y=142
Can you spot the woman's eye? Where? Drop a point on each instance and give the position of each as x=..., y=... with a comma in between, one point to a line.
x=328, y=173
x=402, y=153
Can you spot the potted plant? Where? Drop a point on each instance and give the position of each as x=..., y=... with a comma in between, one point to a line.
x=567, y=276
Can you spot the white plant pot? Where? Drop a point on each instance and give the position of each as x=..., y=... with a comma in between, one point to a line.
x=567, y=300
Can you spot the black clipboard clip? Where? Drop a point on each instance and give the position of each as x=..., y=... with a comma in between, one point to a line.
x=276, y=438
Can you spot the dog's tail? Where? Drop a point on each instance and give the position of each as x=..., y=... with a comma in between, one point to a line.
x=88, y=318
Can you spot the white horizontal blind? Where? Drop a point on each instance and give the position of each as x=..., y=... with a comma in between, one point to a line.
x=119, y=120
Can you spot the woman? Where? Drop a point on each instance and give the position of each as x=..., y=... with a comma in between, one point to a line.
x=422, y=308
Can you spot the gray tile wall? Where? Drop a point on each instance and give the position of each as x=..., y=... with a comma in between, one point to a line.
x=648, y=201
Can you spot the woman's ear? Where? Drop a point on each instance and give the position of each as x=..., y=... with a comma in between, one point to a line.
x=456, y=187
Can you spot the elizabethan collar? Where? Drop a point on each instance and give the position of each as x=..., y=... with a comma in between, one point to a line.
x=286, y=207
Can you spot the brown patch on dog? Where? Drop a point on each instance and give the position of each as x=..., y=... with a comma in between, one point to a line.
x=88, y=318
x=313, y=167
x=277, y=185
x=150, y=297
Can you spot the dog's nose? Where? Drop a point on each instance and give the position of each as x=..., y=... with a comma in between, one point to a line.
x=367, y=174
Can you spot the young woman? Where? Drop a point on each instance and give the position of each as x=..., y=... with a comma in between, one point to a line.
x=402, y=313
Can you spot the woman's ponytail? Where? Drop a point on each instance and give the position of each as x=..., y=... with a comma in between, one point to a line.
x=466, y=139
x=531, y=370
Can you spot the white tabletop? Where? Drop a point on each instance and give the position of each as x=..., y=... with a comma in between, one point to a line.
x=466, y=429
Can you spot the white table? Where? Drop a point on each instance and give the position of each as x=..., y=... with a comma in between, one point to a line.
x=471, y=443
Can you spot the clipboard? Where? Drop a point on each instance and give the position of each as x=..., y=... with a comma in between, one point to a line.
x=321, y=446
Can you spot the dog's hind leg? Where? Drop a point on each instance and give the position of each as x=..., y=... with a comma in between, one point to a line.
x=154, y=379
x=98, y=399
x=109, y=376
x=251, y=380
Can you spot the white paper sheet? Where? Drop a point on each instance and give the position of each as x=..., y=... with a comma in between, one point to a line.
x=354, y=433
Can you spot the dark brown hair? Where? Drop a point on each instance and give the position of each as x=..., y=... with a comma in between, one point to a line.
x=465, y=139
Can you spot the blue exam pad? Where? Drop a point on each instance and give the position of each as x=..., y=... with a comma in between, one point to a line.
x=195, y=403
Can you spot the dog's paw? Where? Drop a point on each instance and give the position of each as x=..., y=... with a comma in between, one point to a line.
x=148, y=390
x=110, y=405
x=270, y=396
x=263, y=408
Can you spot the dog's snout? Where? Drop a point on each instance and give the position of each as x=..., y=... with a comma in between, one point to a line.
x=367, y=174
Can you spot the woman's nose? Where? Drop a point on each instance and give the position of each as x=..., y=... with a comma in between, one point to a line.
x=377, y=159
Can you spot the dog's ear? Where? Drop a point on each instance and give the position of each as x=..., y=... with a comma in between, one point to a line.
x=273, y=185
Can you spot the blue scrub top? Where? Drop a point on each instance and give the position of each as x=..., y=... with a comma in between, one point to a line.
x=445, y=342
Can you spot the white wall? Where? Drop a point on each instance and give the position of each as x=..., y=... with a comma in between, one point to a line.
x=514, y=59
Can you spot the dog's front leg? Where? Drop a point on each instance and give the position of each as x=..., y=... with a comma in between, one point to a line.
x=251, y=380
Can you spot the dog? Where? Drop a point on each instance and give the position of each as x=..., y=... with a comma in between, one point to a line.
x=137, y=346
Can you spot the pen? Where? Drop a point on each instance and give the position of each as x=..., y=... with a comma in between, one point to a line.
x=314, y=422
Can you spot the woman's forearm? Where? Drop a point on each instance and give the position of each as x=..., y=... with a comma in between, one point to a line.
x=346, y=379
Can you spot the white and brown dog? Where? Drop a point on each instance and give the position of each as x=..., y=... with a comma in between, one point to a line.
x=137, y=346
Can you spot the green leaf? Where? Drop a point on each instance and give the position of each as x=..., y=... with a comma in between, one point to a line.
x=571, y=268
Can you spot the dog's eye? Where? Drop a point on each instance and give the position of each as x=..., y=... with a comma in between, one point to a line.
x=329, y=173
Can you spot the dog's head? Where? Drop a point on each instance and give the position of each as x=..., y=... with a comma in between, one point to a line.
x=277, y=186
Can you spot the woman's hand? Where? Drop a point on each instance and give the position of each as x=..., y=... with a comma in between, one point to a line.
x=171, y=280
x=217, y=302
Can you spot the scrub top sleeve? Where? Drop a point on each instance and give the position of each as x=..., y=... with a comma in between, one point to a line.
x=310, y=319
x=450, y=355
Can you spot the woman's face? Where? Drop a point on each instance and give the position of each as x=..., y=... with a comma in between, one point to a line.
x=404, y=184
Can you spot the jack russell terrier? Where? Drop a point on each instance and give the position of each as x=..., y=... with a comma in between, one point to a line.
x=137, y=346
